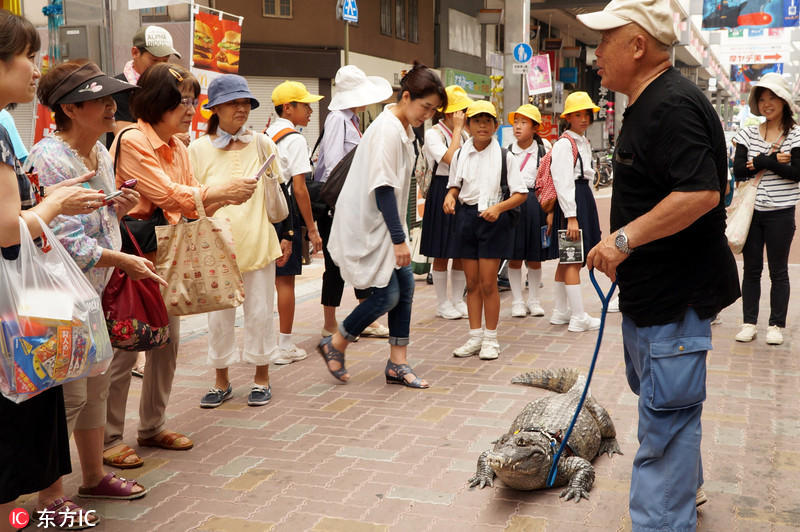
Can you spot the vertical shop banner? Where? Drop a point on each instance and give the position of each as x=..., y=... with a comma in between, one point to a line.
x=539, y=81
x=756, y=14
x=215, y=51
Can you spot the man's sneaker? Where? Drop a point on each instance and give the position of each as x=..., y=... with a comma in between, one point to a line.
x=216, y=397
x=774, y=335
x=377, y=331
x=287, y=355
x=448, y=311
x=583, y=323
x=471, y=348
x=518, y=309
x=461, y=306
x=747, y=333
x=700, y=497
x=535, y=308
x=560, y=318
x=490, y=349
x=613, y=305
x=259, y=395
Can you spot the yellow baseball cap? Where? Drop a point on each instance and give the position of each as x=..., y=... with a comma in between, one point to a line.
x=578, y=101
x=481, y=106
x=457, y=99
x=527, y=110
x=293, y=91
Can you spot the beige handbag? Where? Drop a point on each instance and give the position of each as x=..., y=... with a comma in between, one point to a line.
x=277, y=208
x=198, y=261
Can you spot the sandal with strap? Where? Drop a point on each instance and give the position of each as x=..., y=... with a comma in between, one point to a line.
x=118, y=459
x=63, y=514
x=166, y=440
x=122, y=489
x=332, y=354
x=400, y=372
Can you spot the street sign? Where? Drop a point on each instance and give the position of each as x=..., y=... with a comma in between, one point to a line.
x=519, y=68
x=757, y=58
x=523, y=52
x=350, y=11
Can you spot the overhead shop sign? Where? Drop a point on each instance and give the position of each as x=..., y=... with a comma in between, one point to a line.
x=750, y=13
x=754, y=58
x=751, y=73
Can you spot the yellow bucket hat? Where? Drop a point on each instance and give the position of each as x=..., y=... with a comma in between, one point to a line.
x=481, y=106
x=578, y=101
x=527, y=110
x=457, y=99
x=293, y=91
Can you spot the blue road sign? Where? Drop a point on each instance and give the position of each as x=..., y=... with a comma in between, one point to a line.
x=523, y=52
x=350, y=11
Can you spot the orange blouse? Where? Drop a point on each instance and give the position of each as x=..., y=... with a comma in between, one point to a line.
x=163, y=171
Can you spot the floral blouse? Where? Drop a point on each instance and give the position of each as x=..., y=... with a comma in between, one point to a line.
x=84, y=236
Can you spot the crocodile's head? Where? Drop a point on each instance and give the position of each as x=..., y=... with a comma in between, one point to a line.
x=522, y=461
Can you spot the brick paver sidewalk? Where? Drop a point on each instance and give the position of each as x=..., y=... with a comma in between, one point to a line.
x=368, y=456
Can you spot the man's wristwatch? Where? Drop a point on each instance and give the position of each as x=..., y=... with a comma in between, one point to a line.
x=621, y=241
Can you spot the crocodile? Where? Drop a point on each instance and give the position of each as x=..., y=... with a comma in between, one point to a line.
x=522, y=457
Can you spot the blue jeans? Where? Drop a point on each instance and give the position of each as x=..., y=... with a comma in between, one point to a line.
x=666, y=368
x=394, y=298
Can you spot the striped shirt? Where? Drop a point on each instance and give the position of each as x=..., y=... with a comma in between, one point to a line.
x=774, y=192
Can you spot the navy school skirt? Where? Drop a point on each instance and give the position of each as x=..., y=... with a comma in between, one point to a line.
x=528, y=232
x=437, y=227
x=588, y=220
x=475, y=238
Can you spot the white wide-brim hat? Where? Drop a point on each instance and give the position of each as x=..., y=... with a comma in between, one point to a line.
x=777, y=85
x=353, y=88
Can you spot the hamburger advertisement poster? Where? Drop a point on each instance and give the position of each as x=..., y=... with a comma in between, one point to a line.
x=215, y=51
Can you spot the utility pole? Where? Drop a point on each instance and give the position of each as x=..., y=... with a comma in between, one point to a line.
x=517, y=28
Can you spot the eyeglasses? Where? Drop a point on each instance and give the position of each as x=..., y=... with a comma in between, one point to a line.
x=189, y=102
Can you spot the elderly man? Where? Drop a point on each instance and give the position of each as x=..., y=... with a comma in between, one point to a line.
x=667, y=249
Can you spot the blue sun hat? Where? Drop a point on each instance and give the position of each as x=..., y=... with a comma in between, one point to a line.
x=229, y=87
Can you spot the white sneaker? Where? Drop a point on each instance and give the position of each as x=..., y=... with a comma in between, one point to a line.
x=461, y=306
x=613, y=305
x=747, y=333
x=448, y=311
x=287, y=355
x=583, y=323
x=490, y=349
x=471, y=348
x=560, y=318
x=774, y=335
x=518, y=309
x=535, y=308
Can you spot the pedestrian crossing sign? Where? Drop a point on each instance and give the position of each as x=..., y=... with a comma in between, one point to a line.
x=350, y=11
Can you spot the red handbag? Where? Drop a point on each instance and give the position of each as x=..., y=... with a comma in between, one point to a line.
x=135, y=313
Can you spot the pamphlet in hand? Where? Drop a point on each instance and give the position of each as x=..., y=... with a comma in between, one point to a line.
x=570, y=251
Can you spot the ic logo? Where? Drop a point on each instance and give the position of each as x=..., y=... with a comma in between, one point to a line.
x=18, y=518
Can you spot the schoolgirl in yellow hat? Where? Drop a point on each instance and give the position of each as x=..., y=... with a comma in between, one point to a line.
x=575, y=211
x=441, y=142
x=530, y=244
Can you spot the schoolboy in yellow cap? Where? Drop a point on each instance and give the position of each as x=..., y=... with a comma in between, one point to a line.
x=292, y=105
x=575, y=211
x=441, y=142
x=486, y=183
x=530, y=244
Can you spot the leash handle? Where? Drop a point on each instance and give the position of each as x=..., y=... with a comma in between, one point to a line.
x=605, y=298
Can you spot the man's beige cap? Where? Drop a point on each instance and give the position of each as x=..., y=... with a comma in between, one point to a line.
x=654, y=16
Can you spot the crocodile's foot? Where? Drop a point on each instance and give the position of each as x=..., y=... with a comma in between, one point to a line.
x=609, y=446
x=577, y=493
x=481, y=481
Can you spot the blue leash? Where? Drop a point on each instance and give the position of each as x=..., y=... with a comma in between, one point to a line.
x=605, y=298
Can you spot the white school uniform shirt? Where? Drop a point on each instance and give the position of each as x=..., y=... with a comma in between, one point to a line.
x=360, y=243
x=292, y=150
x=437, y=142
x=529, y=167
x=477, y=175
x=565, y=173
x=342, y=134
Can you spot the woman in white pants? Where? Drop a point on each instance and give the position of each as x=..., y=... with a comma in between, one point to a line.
x=231, y=151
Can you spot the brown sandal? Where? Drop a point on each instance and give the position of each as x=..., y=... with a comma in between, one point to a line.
x=118, y=459
x=166, y=441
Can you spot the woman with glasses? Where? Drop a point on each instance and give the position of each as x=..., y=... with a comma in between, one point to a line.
x=151, y=153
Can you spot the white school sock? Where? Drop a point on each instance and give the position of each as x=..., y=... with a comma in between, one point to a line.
x=575, y=299
x=534, y=280
x=560, y=296
x=440, y=284
x=490, y=334
x=515, y=281
x=285, y=340
x=476, y=333
x=458, y=281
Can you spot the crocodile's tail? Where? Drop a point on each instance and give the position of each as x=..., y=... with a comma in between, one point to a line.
x=557, y=380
